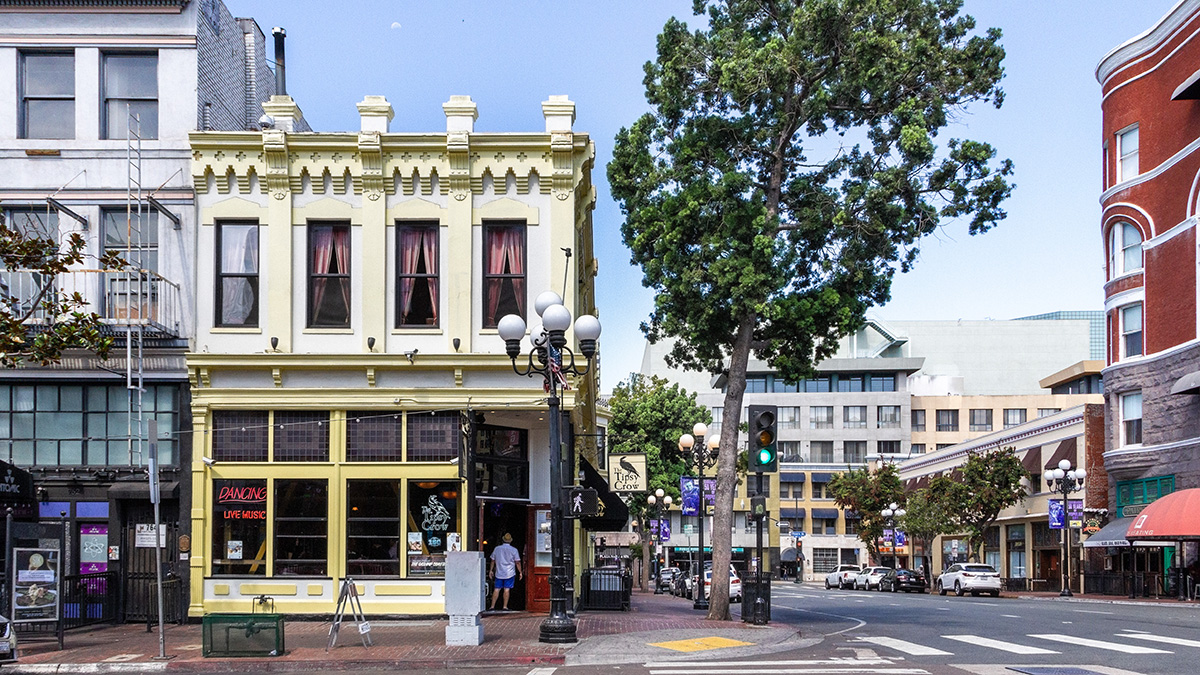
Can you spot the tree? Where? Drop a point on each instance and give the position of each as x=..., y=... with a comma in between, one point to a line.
x=649, y=415
x=927, y=517
x=758, y=226
x=868, y=493
x=974, y=495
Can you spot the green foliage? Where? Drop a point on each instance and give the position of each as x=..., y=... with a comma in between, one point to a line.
x=787, y=170
x=975, y=494
x=32, y=260
x=927, y=516
x=868, y=493
x=649, y=415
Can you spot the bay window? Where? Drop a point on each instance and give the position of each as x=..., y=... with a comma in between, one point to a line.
x=1124, y=249
x=1131, y=418
x=1131, y=330
x=1127, y=153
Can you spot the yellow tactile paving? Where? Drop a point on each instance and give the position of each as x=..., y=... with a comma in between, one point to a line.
x=700, y=644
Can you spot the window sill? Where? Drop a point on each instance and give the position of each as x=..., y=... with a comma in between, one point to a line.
x=415, y=330
x=245, y=330
x=328, y=331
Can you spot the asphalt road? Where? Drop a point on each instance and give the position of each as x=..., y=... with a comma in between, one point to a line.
x=915, y=634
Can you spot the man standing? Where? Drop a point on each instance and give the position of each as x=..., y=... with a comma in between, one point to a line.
x=505, y=569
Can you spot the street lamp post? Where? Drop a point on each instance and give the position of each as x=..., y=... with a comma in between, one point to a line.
x=1064, y=480
x=546, y=359
x=658, y=501
x=703, y=456
x=892, y=512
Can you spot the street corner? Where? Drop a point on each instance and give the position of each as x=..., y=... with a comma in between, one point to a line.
x=700, y=644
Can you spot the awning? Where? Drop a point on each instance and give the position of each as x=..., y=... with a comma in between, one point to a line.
x=140, y=489
x=1112, y=534
x=791, y=477
x=1173, y=517
x=786, y=512
x=1066, y=450
x=825, y=513
x=787, y=554
x=822, y=477
x=1032, y=461
x=1188, y=384
x=613, y=511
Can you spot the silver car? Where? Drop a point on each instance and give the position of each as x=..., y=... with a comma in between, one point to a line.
x=973, y=578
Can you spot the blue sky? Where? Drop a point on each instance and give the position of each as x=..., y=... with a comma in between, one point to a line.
x=509, y=56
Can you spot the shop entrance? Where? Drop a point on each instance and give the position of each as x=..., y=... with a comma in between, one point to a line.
x=497, y=519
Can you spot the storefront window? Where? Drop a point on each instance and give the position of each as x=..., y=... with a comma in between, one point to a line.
x=240, y=435
x=433, y=437
x=372, y=528
x=502, y=462
x=373, y=437
x=301, y=436
x=240, y=527
x=301, y=527
x=433, y=526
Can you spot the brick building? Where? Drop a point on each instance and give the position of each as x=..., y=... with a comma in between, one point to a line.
x=1151, y=177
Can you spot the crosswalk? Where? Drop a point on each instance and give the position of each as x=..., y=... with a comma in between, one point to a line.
x=832, y=666
x=1124, y=643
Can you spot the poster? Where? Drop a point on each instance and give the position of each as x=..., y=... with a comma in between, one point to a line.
x=143, y=535
x=542, y=521
x=690, y=493
x=416, y=542
x=453, y=541
x=1075, y=512
x=233, y=549
x=1057, y=517
x=35, y=590
x=93, y=549
x=664, y=530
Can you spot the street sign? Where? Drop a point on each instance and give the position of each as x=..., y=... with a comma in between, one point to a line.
x=582, y=502
x=799, y=534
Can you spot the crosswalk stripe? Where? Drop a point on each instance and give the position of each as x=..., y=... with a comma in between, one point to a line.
x=1179, y=642
x=542, y=671
x=904, y=646
x=998, y=644
x=687, y=665
x=1099, y=644
x=813, y=670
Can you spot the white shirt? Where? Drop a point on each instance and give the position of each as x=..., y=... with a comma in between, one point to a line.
x=506, y=558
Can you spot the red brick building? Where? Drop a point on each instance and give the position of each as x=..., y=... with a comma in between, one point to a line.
x=1151, y=181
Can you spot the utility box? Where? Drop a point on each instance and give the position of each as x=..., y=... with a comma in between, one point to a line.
x=242, y=635
x=466, y=590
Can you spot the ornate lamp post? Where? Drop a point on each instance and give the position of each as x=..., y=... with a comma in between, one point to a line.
x=703, y=456
x=1064, y=480
x=659, y=501
x=892, y=512
x=546, y=359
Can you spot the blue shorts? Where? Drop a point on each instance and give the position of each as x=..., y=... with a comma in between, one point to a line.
x=505, y=583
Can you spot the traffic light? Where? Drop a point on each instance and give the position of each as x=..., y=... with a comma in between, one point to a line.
x=764, y=456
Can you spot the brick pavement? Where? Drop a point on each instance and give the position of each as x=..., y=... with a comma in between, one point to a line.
x=509, y=639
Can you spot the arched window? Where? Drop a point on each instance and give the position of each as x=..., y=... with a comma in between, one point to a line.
x=1124, y=250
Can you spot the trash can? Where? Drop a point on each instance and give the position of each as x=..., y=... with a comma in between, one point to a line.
x=756, y=586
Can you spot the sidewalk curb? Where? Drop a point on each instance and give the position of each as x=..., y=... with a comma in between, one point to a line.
x=280, y=665
x=1168, y=602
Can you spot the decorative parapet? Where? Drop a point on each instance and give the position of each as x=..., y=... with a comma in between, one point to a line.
x=275, y=154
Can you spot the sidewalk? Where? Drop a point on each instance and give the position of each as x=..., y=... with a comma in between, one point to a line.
x=509, y=639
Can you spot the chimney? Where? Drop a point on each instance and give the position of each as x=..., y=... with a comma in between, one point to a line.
x=280, y=67
x=375, y=113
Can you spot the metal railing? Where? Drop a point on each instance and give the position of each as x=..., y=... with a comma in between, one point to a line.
x=606, y=588
x=119, y=297
x=90, y=599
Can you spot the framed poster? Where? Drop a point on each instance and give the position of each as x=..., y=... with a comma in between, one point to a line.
x=36, y=585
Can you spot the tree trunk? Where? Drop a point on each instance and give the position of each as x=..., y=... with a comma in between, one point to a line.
x=722, y=529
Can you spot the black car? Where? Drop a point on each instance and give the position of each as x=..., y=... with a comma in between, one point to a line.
x=902, y=580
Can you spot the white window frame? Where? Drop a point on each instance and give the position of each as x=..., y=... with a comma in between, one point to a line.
x=1127, y=155
x=1127, y=332
x=1127, y=402
x=1120, y=243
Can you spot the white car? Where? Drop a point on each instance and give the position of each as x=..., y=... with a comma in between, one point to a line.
x=869, y=577
x=842, y=577
x=8, y=642
x=972, y=578
x=735, y=585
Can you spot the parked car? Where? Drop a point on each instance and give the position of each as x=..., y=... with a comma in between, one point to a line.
x=8, y=642
x=869, y=577
x=842, y=577
x=682, y=585
x=902, y=580
x=666, y=578
x=970, y=577
x=735, y=584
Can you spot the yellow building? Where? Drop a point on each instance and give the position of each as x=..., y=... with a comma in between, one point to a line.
x=355, y=414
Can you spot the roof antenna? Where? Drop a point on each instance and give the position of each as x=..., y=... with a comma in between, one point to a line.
x=566, y=271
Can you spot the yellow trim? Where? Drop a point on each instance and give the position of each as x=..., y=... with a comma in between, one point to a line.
x=268, y=589
x=383, y=590
x=315, y=589
x=220, y=589
x=507, y=209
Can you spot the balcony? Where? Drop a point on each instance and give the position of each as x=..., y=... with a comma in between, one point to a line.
x=121, y=298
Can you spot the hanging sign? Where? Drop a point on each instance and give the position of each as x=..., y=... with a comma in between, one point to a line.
x=689, y=488
x=1075, y=512
x=1056, y=515
x=627, y=472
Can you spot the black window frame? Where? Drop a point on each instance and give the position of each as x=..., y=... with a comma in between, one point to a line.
x=220, y=276
x=424, y=225
x=488, y=227
x=311, y=277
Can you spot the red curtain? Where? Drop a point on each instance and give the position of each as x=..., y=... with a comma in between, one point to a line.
x=410, y=251
x=431, y=267
x=322, y=247
x=506, y=256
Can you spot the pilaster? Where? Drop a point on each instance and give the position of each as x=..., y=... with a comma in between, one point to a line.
x=461, y=113
x=278, y=240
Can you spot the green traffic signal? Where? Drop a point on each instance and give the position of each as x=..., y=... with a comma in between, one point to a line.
x=763, y=431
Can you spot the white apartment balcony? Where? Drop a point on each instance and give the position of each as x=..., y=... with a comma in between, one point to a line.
x=121, y=298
